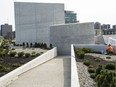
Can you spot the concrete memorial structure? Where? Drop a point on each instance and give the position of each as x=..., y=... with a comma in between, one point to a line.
x=32, y=20
x=62, y=36
x=45, y=22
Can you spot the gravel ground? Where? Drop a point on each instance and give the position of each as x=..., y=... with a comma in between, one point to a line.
x=102, y=56
x=84, y=77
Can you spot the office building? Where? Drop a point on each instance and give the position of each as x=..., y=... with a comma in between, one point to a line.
x=5, y=30
x=97, y=25
x=70, y=17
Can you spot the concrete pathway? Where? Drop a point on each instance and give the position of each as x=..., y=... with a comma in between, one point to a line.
x=53, y=73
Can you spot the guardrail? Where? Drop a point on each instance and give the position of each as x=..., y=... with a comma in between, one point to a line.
x=13, y=75
x=74, y=70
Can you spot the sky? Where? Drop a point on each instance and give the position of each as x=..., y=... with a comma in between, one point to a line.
x=103, y=11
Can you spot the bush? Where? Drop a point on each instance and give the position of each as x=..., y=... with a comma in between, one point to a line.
x=12, y=54
x=13, y=48
x=4, y=68
x=86, y=62
x=37, y=54
x=1, y=59
x=93, y=75
x=41, y=53
x=16, y=65
x=110, y=66
x=33, y=52
x=51, y=46
x=108, y=57
x=81, y=54
x=98, y=69
x=2, y=53
x=91, y=70
x=90, y=66
x=106, y=79
x=97, y=59
x=20, y=54
x=87, y=50
x=27, y=55
x=31, y=44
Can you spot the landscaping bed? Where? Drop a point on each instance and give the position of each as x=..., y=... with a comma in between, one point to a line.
x=94, y=71
x=11, y=59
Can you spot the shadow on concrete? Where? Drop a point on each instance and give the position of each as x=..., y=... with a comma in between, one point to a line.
x=67, y=71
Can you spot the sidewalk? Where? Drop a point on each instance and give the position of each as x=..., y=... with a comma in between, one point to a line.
x=54, y=73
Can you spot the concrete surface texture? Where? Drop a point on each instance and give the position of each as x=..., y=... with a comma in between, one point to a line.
x=99, y=39
x=54, y=73
x=32, y=20
x=62, y=36
x=106, y=38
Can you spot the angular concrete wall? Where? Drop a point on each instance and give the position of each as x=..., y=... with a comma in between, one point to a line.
x=62, y=36
x=32, y=20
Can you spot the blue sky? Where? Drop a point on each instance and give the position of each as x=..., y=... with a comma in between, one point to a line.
x=103, y=11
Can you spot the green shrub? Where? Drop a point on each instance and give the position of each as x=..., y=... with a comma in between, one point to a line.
x=91, y=70
x=4, y=68
x=81, y=54
x=86, y=62
x=1, y=54
x=1, y=59
x=33, y=52
x=97, y=59
x=16, y=65
x=37, y=54
x=27, y=55
x=98, y=69
x=110, y=66
x=108, y=57
x=106, y=79
x=12, y=54
x=41, y=53
x=93, y=75
x=20, y=54
x=51, y=46
x=87, y=50
x=90, y=66
x=13, y=48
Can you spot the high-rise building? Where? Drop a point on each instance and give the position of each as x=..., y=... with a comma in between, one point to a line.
x=0, y=32
x=5, y=30
x=105, y=26
x=97, y=25
x=114, y=27
x=70, y=17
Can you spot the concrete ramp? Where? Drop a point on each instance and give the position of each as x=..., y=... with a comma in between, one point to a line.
x=54, y=73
